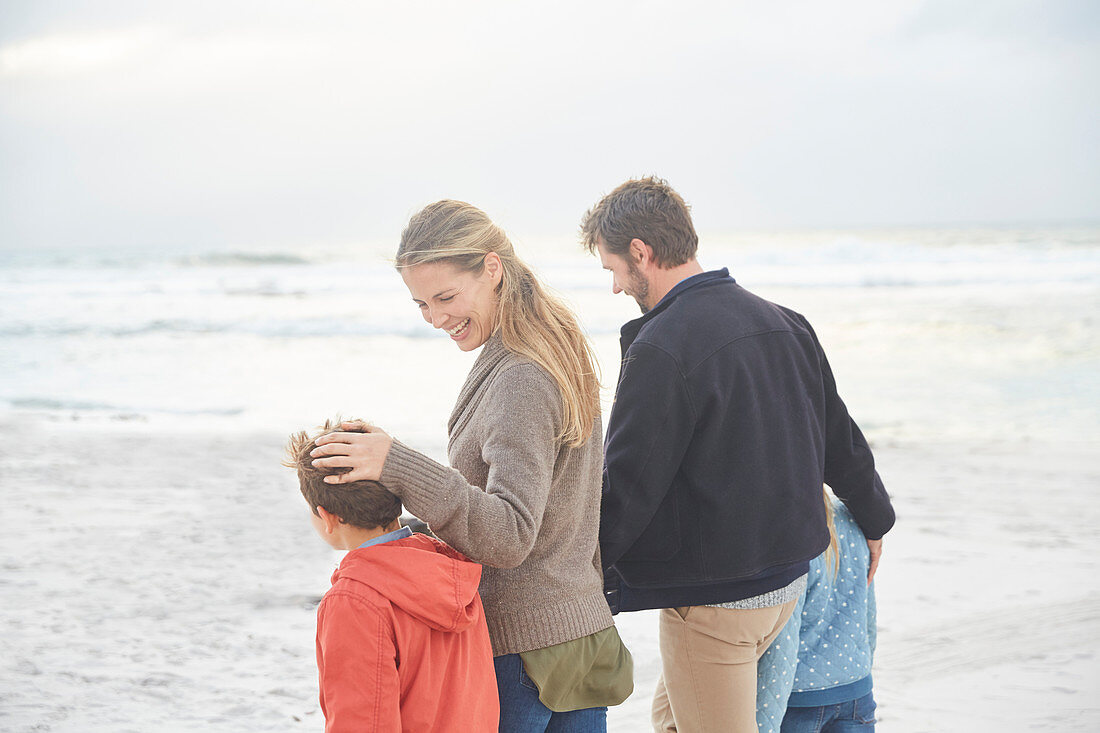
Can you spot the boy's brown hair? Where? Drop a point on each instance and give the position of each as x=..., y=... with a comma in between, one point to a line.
x=359, y=503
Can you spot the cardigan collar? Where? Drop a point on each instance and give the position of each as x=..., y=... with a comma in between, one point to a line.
x=493, y=352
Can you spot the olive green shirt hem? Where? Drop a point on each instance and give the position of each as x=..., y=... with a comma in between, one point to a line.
x=592, y=671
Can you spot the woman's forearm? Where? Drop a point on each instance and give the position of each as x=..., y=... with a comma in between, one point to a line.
x=495, y=527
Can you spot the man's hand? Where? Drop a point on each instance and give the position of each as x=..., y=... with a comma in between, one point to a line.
x=875, y=546
x=364, y=452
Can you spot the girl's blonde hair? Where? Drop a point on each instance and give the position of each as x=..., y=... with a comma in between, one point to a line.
x=832, y=552
x=532, y=322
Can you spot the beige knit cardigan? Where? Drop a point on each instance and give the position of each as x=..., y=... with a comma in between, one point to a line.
x=517, y=501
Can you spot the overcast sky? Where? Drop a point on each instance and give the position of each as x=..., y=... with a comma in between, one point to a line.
x=225, y=123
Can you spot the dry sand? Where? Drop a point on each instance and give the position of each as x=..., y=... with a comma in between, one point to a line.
x=165, y=580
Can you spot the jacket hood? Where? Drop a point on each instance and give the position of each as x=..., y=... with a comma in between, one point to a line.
x=422, y=576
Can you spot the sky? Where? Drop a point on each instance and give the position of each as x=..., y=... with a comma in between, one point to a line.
x=291, y=124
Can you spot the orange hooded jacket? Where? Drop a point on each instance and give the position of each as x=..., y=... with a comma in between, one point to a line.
x=402, y=643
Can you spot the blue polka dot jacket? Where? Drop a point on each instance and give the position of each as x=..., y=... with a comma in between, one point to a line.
x=823, y=655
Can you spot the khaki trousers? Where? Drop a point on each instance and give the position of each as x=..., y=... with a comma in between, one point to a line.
x=708, y=667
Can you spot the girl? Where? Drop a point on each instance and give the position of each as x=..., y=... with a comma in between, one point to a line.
x=819, y=667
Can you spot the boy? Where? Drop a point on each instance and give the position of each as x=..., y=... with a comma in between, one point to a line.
x=401, y=636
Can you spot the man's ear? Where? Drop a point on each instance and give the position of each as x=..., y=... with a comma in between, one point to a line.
x=329, y=520
x=641, y=254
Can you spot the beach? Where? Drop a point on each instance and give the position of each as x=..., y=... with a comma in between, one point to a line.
x=167, y=581
x=159, y=572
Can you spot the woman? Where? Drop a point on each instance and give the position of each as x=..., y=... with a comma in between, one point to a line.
x=523, y=496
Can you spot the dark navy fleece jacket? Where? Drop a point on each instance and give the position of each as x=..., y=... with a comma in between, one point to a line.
x=725, y=424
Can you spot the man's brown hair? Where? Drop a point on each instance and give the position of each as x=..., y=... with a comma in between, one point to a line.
x=646, y=209
x=359, y=503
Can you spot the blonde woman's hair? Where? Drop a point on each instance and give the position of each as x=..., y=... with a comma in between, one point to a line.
x=532, y=322
x=832, y=552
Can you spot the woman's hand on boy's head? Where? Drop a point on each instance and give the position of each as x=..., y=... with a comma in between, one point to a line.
x=364, y=451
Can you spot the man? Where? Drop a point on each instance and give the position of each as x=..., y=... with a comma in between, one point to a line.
x=726, y=423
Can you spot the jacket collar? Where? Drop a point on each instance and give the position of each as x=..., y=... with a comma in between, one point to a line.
x=631, y=329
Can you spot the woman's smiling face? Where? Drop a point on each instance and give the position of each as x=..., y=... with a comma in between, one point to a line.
x=464, y=304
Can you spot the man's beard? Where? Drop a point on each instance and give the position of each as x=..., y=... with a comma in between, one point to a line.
x=639, y=287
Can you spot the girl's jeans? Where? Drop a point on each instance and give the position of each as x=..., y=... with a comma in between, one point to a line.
x=521, y=711
x=857, y=716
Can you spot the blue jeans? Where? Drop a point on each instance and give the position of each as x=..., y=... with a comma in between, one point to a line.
x=857, y=716
x=521, y=711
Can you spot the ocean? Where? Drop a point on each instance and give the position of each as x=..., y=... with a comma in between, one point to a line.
x=973, y=334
